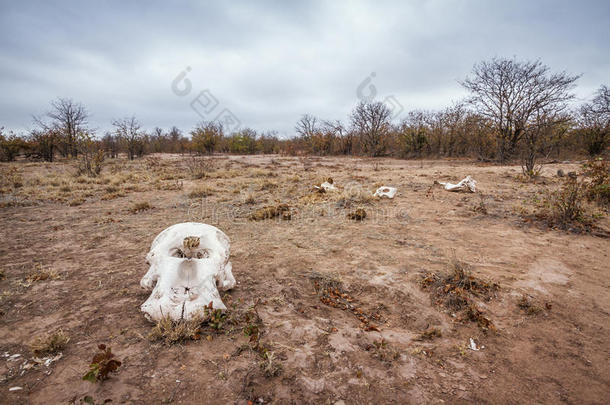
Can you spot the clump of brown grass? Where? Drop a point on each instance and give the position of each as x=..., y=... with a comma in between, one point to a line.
x=249, y=199
x=530, y=307
x=199, y=167
x=66, y=188
x=355, y=195
x=332, y=293
x=269, y=212
x=382, y=350
x=430, y=334
x=171, y=332
x=201, y=192
x=267, y=185
x=140, y=207
x=357, y=215
x=40, y=273
x=457, y=291
x=10, y=180
x=111, y=196
x=48, y=344
x=76, y=201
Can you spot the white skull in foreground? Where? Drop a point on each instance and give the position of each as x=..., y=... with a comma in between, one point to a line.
x=385, y=191
x=467, y=184
x=189, y=262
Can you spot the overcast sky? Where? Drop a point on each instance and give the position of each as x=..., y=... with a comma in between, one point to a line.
x=263, y=64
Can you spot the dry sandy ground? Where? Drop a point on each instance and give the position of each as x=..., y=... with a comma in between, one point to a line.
x=84, y=233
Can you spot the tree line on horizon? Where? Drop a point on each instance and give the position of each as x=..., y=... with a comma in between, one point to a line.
x=516, y=111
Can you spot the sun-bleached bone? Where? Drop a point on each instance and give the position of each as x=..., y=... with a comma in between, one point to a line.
x=189, y=262
x=385, y=191
x=467, y=184
x=326, y=186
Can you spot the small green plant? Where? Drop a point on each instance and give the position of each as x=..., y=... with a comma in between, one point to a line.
x=214, y=318
x=102, y=364
x=269, y=365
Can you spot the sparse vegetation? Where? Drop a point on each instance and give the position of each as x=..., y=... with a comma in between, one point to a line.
x=139, y=207
x=49, y=344
x=457, y=291
x=171, y=332
x=430, y=334
x=597, y=188
x=527, y=305
x=41, y=273
x=201, y=192
x=280, y=210
x=102, y=364
x=357, y=215
x=331, y=293
x=198, y=167
x=566, y=208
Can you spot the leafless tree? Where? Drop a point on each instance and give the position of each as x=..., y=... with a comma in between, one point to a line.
x=371, y=121
x=307, y=126
x=512, y=94
x=67, y=118
x=595, y=120
x=128, y=131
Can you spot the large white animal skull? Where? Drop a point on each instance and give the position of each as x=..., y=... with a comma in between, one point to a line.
x=189, y=262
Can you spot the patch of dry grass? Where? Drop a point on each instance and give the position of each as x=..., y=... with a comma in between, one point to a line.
x=171, y=332
x=456, y=292
x=430, y=334
x=48, y=344
x=201, y=192
x=41, y=273
x=269, y=212
x=140, y=207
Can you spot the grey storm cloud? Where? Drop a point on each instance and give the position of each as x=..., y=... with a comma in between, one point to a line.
x=270, y=62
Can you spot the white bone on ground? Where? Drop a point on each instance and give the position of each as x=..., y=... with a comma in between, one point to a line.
x=466, y=184
x=181, y=286
x=328, y=186
x=385, y=191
